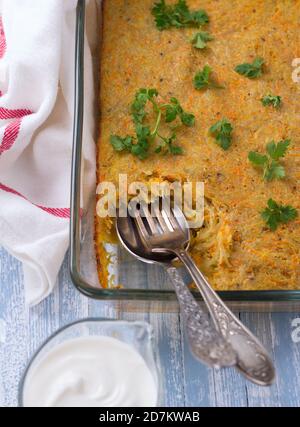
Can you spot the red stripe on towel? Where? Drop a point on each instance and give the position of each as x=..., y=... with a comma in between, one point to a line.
x=12, y=130
x=6, y=113
x=2, y=40
x=58, y=212
x=10, y=135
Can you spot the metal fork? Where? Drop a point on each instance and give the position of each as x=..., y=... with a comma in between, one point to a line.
x=167, y=232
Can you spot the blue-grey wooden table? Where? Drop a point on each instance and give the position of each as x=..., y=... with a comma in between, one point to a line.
x=188, y=383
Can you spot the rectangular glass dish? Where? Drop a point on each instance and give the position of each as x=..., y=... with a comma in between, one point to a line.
x=144, y=287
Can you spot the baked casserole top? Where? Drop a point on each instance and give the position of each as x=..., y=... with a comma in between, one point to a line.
x=235, y=248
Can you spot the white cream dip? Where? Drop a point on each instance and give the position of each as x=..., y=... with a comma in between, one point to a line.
x=92, y=372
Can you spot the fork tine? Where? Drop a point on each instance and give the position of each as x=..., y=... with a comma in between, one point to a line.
x=157, y=231
x=141, y=226
x=165, y=211
x=174, y=220
x=150, y=221
x=167, y=220
x=161, y=220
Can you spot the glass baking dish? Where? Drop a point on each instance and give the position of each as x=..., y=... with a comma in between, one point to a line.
x=144, y=287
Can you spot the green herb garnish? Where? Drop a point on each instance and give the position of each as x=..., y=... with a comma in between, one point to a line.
x=222, y=130
x=203, y=80
x=121, y=144
x=177, y=15
x=174, y=109
x=273, y=100
x=139, y=144
x=270, y=162
x=200, y=40
x=251, y=70
x=168, y=143
x=276, y=214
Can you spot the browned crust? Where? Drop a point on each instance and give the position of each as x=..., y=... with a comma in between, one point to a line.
x=100, y=268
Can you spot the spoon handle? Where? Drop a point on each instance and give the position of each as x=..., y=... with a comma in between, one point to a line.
x=206, y=343
x=253, y=360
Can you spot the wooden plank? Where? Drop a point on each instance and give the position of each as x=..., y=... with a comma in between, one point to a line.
x=261, y=325
x=103, y=309
x=72, y=304
x=287, y=359
x=22, y=330
x=230, y=388
x=167, y=332
x=42, y=321
x=14, y=332
x=166, y=328
x=207, y=387
x=186, y=382
x=199, y=387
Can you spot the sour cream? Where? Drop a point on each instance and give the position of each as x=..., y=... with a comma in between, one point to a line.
x=90, y=372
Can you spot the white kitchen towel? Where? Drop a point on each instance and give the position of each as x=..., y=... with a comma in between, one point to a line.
x=36, y=118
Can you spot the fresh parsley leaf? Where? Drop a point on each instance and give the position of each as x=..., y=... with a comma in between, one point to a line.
x=187, y=119
x=171, y=113
x=273, y=100
x=251, y=70
x=276, y=214
x=224, y=141
x=222, y=132
x=257, y=159
x=142, y=132
x=152, y=93
x=140, y=150
x=177, y=15
x=200, y=40
x=174, y=109
x=175, y=149
x=140, y=100
x=202, y=79
x=140, y=144
x=278, y=150
x=121, y=144
x=197, y=18
x=272, y=169
x=222, y=126
x=167, y=145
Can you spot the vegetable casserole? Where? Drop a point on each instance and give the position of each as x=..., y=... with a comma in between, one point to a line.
x=222, y=73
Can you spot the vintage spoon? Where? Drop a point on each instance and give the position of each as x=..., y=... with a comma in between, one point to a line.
x=206, y=343
x=164, y=237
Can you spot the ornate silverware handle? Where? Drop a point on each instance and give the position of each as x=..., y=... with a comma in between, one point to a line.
x=206, y=343
x=252, y=358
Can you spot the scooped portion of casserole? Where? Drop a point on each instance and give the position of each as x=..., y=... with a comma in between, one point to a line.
x=232, y=65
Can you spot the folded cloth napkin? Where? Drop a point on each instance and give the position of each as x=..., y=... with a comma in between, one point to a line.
x=36, y=118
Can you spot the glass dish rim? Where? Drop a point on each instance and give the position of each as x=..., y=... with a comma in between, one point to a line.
x=75, y=217
x=62, y=329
